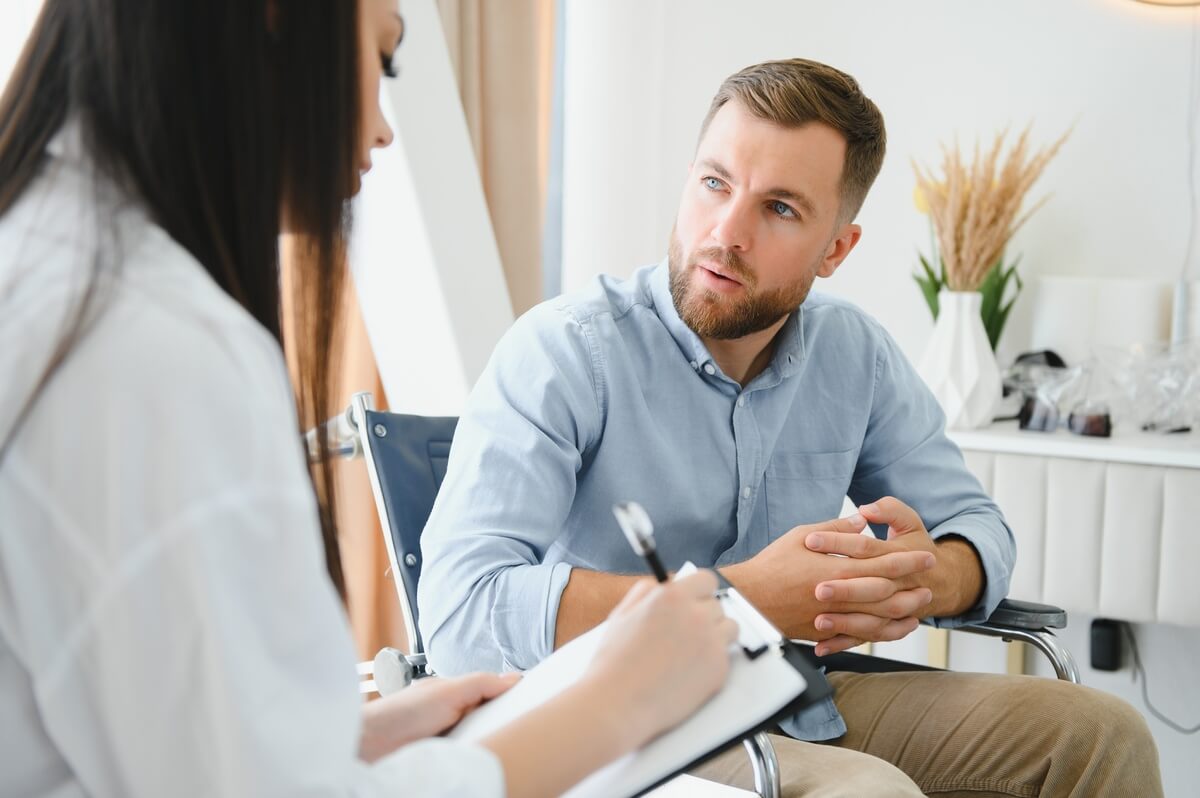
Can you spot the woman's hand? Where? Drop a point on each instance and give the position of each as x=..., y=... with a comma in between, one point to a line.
x=666, y=651
x=425, y=708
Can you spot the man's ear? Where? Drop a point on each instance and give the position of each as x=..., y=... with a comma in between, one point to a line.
x=839, y=247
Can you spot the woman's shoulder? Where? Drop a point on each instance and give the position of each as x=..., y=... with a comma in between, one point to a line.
x=159, y=339
x=70, y=236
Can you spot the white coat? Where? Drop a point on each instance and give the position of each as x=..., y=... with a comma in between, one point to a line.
x=166, y=624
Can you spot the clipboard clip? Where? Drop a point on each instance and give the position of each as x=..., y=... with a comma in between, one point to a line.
x=757, y=635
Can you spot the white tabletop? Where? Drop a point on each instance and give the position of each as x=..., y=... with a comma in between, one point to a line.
x=1180, y=450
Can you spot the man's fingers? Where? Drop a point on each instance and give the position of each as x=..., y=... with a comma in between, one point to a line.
x=835, y=644
x=905, y=603
x=895, y=630
x=905, y=563
x=896, y=565
x=850, y=525
x=863, y=626
x=901, y=604
x=861, y=590
x=859, y=546
x=893, y=512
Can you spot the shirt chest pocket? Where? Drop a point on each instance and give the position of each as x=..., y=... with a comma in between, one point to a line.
x=806, y=487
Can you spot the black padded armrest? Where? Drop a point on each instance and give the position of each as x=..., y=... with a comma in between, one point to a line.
x=1028, y=615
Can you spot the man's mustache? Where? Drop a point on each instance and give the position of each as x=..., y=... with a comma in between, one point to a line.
x=729, y=260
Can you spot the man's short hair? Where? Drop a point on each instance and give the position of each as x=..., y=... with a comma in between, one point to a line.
x=797, y=91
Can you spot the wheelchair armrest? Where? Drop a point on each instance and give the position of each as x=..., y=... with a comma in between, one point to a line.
x=1027, y=615
x=1031, y=623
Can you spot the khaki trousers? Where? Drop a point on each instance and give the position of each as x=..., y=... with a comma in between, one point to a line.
x=960, y=734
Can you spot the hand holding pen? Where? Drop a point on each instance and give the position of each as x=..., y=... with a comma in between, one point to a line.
x=639, y=531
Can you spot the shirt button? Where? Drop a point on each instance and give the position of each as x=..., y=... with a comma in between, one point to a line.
x=709, y=368
x=741, y=401
x=746, y=492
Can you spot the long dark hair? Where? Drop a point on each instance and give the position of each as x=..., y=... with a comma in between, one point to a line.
x=219, y=116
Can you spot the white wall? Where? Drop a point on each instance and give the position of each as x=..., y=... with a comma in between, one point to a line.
x=639, y=77
x=424, y=257
x=16, y=20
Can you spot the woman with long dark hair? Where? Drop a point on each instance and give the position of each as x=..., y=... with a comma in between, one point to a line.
x=169, y=619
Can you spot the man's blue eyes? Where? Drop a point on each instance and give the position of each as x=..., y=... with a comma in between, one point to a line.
x=780, y=209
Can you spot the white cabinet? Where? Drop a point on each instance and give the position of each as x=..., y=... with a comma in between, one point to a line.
x=1104, y=526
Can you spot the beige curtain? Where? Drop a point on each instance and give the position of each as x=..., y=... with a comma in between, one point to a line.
x=503, y=55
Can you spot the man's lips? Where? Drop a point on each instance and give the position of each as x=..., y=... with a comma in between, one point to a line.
x=718, y=271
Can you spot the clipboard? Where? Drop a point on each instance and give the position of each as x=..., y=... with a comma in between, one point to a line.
x=770, y=678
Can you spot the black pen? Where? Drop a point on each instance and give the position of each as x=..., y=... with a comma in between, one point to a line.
x=635, y=523
x=639, y=531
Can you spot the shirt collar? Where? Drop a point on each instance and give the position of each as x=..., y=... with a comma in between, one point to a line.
x=688, y=342
x=789, y=349
x=67, y=141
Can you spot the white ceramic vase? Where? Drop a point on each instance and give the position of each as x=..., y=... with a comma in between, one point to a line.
x=959, y=365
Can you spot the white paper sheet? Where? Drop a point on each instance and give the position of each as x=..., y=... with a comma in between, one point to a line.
x=755, y=690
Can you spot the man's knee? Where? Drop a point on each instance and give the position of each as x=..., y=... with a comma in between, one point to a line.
x=812, y=770
x=1114, y=724
x=1100, y=740
x=1089, y=714
x=826, y=771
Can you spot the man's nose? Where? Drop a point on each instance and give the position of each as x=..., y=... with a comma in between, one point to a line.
x=734, y=229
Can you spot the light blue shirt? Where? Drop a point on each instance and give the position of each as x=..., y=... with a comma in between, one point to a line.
x=607, y=396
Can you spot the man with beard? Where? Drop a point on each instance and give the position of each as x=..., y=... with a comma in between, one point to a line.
x=740, y=410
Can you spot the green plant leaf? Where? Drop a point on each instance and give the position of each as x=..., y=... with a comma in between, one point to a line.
x=930, y=285
x=994, y=310
x=1002, y=315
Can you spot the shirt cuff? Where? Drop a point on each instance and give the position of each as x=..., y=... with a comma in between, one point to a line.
x=995, y=559
x=527, y=593
x=815, y=724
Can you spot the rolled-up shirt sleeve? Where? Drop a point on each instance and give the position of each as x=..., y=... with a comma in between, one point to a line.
x=906, y=454
x=487, y=598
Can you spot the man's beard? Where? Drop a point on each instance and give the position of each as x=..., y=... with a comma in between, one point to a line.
x=711, y=315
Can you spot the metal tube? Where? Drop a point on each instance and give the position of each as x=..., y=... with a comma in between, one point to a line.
x=1043, y=640
x=765, y=765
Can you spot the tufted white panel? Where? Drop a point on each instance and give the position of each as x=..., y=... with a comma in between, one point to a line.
x=1019, y=487
x=1179, y=558
x=1072, y=572
x=1101, y=538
